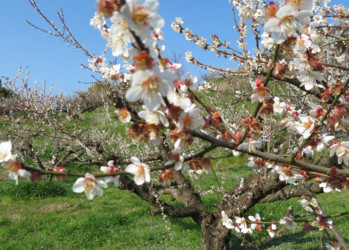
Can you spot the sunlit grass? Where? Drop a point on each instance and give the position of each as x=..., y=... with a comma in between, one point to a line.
x=121, y=220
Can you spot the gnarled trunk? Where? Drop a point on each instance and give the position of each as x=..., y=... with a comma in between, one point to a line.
x=215, y=237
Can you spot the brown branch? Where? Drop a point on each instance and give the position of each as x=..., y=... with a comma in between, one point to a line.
x=64, y=157
x=200, y=154
x=117, y=161
x=219, y=70
x=249, y=192
x=290, y=192
x=268, y=156
x=73, y=40
x=298, y=84
x=144, y=191
x=325, y=217
x=38, y=28
x=336, y=66
x=139, y=42
x=30, y=150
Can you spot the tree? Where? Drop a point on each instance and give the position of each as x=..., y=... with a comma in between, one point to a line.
x=289, y=114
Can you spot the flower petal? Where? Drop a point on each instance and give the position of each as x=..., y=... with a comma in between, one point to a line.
x=78, y=186
x=135, y=160
x=134, y=93
x=139, y=180
x=132, y=169
x=89, y=195
x=101, y=184
x=105, y=169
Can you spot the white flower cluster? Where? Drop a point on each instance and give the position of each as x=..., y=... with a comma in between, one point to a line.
x=93, y=187
x=341, y=150
x=289, y=19
x=244, y=226
x=8, y=161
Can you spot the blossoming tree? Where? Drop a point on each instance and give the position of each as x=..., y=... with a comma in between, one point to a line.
x=294, y=133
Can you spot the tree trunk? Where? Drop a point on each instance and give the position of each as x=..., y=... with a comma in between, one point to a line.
x=214, y=234
x=215, y=238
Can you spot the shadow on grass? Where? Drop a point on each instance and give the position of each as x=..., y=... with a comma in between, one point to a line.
x=296, y=240
x=185, y=223
x=299, y=238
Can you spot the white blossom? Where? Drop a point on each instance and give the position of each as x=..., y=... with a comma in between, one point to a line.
x=5, y=151
x=154, y=117
x=90, y=186
x=140, y=170
x=151, y=86
x=142, y=18
x=305, y=126
x=111, y=169
x=97, y=21
x=287, y=21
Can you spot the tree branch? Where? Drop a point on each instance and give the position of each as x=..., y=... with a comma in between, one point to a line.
x=268, y=156
x=291, y=191
x=144, y=191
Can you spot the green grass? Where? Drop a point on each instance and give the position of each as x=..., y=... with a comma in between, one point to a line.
x=118, y=220
x=121, y=220
x=332, y=203
x=31, y=190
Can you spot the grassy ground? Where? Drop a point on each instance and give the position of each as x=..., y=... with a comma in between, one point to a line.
x=51, y=216
x=332, y=203
x=118, y=220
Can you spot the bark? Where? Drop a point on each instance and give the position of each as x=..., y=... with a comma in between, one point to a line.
x=292, y=191
x=244, y=196
x=241, y=198
x=144, y=191
x=214, y=235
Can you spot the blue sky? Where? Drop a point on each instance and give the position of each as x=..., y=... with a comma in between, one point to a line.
x=50, y=59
